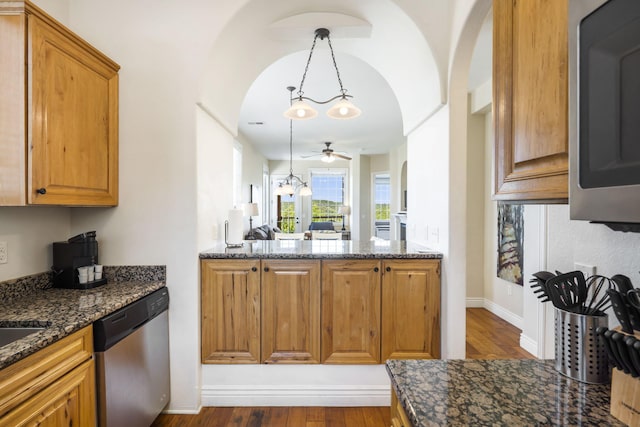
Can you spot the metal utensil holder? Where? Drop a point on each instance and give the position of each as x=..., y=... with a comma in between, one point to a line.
x=580, y=352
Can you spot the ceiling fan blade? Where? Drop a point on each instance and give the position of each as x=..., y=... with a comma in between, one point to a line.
x=340, y=156
x=312, y=155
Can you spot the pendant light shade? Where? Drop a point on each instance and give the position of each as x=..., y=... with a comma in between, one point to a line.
x=305, y=191
x=300, y=110
x=343, y=109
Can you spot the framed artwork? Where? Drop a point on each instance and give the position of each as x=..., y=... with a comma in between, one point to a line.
x=510, y=242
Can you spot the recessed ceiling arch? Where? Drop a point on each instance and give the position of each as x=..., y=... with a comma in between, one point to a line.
x=396, y=48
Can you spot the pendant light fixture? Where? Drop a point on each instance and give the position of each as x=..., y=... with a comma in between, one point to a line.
x=343, y=109
x=292, y=182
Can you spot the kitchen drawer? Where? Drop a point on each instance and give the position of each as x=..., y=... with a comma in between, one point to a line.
x=25, y=378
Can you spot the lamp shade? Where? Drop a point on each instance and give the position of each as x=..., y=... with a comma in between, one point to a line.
x=251, y=209
x=300, y=110
x=305, y=190
x=344, y=210
x=343, y=109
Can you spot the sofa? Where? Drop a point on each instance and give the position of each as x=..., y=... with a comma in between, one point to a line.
x=264, y=232
x=321, y=226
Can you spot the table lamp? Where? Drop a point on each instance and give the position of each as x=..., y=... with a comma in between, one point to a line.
x=344, y=211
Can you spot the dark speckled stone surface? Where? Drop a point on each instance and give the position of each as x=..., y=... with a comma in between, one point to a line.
x=354, y=249
x=496, y=393
x=63, y=311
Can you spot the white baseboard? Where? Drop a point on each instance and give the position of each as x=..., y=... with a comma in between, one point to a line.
x=503, y=313
x=296, y=396
x=529, y=344
x=496, y=309
x=475, y=302
x=182, y=411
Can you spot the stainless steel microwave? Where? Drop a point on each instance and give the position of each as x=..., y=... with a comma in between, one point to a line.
x=605, y=142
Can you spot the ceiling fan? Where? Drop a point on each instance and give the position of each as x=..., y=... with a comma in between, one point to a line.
x=328, y=155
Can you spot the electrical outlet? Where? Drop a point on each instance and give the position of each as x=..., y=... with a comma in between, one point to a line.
x=4, y=253
x=587, y=270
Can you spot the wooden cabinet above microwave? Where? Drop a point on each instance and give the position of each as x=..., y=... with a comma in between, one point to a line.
x=58, y=114
x=530, y=100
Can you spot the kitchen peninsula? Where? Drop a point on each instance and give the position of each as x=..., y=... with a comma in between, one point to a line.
x=493, y=392
x=320, y=301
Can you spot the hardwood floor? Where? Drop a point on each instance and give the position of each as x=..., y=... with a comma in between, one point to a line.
x=488, y=337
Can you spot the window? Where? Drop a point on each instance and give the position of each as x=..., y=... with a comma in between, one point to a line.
x=382, y=197
x=328, y=188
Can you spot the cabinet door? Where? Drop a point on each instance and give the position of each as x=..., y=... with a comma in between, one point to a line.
x=530, y=99
x=290, y=311
x=351, y=311
x=73, y=158
x=230, y=311
x=69, y=401
x=411, y=309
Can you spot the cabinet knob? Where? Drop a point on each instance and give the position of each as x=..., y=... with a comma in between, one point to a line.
x=41, y=191
x=388, y=269
x=376, y=269
x=254, y=268
x=266, y=269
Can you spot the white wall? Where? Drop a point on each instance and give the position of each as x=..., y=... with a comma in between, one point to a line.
x=29, y=232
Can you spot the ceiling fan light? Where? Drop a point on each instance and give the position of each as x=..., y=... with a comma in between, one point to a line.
x=305, y=190
x=300, y=110
x=329, y=158
x=343, y=109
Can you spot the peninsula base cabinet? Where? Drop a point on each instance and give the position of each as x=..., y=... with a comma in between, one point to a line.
x=338, y=311
x=230, y=328
x=53, y=387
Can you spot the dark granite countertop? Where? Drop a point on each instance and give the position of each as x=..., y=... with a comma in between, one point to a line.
x=496, y=393
x=30, y=301
x=323, y=249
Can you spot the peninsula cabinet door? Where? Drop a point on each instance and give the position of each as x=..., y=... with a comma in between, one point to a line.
x=351, y=311
x=530, y=100
x=291, y=311
x=411, y=309
x=230, y=311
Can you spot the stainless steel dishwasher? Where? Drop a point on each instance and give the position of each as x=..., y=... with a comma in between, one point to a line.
x=132, y=362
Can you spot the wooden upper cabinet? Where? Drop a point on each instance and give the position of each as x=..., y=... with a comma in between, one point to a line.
x=291, y=311
x=530, y=100
x=230, y=298
x=58, y=114
x=351, y=311
x=411, y=309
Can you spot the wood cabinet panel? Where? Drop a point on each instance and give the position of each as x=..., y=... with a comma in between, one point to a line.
x=411, y=309
x=290, y=311
x=530, y=100
x=399, y=417
x=23, y=379
x=69, y=401
x=230, y=310
x=60, y=115
x=351, y=311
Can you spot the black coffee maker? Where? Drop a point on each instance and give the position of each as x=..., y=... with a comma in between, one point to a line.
x=78, y=251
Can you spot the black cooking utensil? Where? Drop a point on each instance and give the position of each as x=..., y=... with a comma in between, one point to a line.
x=616, y=352
x=602, y=331
x=624, y=286
x=620, y=310
x=633, y=297
x=612, y=349
x=538, y=284
x=618, y=339
x=597, y=298
x=633, y=354
x=567, y=291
